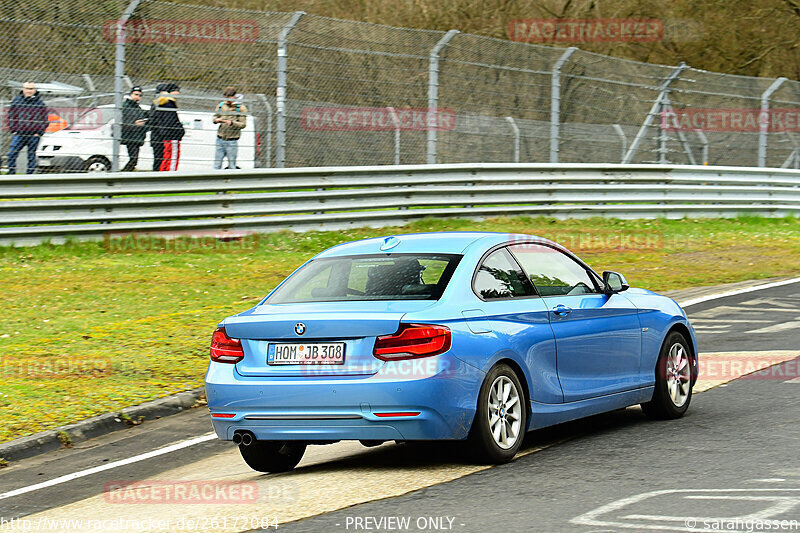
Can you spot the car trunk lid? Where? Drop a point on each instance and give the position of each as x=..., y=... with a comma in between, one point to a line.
x=355, y=324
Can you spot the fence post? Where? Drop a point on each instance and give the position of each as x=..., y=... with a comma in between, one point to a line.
x=90, y=82
x=655, y=111
x=396, y=135
x=280, y=91
x=268, y=157
x=622, y=138
x=668, y=113
x=515, y=129
x=763, y=121
x=555, y=103
x=433, y=90
x=119, y=77
x=704, y=142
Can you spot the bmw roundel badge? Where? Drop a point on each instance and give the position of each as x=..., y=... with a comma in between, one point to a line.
x=299, y=328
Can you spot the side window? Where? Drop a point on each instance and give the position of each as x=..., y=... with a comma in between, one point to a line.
x=499, y=277
x=552, y=272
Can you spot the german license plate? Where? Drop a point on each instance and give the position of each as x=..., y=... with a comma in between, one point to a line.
x=318, y=353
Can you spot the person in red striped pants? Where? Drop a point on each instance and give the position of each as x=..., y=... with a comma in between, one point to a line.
x=166, y=128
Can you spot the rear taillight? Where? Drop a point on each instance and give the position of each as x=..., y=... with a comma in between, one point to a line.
x=412, y=341
x=224, y=349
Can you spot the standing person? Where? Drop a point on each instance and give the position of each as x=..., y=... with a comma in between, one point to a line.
x=133, y=127
x=231, y=118
x=27, y=120
x=166, y=130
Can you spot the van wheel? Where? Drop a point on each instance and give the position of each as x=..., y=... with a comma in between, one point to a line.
x=97, y=163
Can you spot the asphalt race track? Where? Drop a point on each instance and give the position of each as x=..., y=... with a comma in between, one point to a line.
x=733, y=456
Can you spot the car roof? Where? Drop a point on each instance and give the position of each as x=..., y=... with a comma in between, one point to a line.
x=445, y=242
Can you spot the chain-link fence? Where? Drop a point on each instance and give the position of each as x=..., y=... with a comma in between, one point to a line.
x=317, y=91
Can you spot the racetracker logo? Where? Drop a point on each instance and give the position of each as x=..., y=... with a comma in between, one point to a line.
x=597, y=241
x=730, y=119
x=585, y=30
x=151, y=31
x=406, y=369
x=180, y=492
x=74, y=118
x=72, y=367
x=180, y=241
x=376, y=119
x=757, y=367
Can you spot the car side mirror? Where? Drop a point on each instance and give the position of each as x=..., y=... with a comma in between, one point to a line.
x=615, y=282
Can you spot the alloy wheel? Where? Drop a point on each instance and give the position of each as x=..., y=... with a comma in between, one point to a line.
x=505, y=412
x=679, y=375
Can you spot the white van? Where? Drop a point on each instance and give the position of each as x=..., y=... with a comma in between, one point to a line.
x=87, y=144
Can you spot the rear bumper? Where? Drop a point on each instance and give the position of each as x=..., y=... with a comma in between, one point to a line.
x=442, y=390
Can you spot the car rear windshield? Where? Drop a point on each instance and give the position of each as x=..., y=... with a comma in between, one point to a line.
x=369, y=277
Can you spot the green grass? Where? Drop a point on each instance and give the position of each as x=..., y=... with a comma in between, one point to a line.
x=86, y=330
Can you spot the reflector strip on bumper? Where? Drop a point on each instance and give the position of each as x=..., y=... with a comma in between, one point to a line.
x=302, y=417
x=406, y=413
x=223, y=415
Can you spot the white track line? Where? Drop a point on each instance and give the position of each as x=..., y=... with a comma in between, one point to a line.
x=211, y=436
x=109, y=466
x=710, y=297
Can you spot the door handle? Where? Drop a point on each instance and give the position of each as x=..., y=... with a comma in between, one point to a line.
x=562, y=310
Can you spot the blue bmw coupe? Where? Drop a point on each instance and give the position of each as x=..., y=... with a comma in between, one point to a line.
x=477, y=337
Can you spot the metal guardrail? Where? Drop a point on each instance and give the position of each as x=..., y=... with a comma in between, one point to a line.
x=90, y=206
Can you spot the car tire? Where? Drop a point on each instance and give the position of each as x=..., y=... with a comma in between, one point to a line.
x=272, y=456
x=500, y=419
x=97, y=163
x=674, y=380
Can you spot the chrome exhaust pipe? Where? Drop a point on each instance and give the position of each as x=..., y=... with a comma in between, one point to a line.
x=237, y=438
x=247, y=438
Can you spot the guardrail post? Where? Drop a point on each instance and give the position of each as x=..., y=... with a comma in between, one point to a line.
x=396, y=135
x=555, y=103
x=433, y=90
x=280, y=91
x=515, y=129
x=119, y=78
x=268, y=157
x=763, y=121
x=663, y=92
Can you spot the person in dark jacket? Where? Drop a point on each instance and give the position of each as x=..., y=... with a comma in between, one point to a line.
x=27, y=120
x=134, y=131
x=166, y=130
